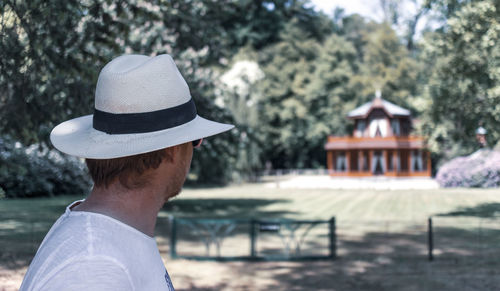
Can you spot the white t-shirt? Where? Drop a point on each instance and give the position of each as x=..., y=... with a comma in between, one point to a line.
x=91, y=251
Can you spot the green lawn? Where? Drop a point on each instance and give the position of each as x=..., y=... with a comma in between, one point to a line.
x=365, y=205
x=375, y=228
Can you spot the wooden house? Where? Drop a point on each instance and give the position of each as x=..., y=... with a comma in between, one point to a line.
x=380, y=145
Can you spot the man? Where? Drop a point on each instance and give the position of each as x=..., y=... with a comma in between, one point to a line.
x=138, y=146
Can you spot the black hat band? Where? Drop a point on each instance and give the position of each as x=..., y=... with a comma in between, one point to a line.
x=128, y=123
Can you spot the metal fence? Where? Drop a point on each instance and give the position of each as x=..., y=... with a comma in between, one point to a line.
x=253, y=239
x=470, y=240
x=451, y=239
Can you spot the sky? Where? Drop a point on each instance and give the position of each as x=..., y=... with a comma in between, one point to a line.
x=372, y=9
x=367, y=8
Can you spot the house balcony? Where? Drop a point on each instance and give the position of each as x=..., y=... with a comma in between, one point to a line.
x=388, y=142
x=393, y=156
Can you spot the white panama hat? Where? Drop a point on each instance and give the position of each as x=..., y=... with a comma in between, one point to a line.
x=142, y=104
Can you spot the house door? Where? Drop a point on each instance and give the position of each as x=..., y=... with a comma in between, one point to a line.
x=378, y=167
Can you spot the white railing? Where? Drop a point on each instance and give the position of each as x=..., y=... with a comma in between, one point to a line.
x=294, y=172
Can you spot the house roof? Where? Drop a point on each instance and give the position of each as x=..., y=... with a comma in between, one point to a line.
x=391, y=108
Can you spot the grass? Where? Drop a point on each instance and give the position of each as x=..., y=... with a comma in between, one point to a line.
x=382, y=238
x=345, y=205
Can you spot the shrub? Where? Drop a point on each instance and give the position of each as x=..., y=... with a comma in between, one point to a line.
x=34, y=171
x=481, y=169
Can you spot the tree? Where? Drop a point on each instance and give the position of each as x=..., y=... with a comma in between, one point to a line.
x=330, y=95
x=239, y=94
x=404, y=16
x=50, y=54
x=464, y=83
x=386, y=66
x=305, y=84
x=287, y=66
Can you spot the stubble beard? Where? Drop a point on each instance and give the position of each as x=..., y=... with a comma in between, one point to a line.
x=180, y=176
x=176, y=186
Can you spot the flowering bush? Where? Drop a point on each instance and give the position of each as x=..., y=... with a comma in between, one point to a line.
x=481, y=169
x=32, y=171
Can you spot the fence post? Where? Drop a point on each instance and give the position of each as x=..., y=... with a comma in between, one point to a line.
x=173, y=237
x=430, y=242
x=252, y=238
x=333, y=238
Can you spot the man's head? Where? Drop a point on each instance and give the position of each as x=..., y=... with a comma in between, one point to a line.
x=140, y=171
x=144, y=117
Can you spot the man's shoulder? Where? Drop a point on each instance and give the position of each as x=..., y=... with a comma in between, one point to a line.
x=88, y=228
x=82, y=272
x=91, y=234
x=88, y=239
x=82, y=240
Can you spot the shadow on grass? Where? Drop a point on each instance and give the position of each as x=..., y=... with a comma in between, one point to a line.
x=241, y=209
x=380, y=260
x=224, y=208
x=25, y=222
x=465, y=259
x=485, y=210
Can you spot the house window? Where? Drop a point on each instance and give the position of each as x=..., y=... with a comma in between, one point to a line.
x=360, y=130
x=396, y=129
x=390, y=161
x=366, y=159
x=378, y=127
x=378, y=165
x=417, y=162
x=341, y=162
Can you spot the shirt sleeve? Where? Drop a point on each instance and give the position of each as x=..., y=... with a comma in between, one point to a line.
x=90, y=274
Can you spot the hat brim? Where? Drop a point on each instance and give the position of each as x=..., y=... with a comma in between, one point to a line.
x=77, y=137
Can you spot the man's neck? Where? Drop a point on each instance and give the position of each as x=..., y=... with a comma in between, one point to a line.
x=137, y=208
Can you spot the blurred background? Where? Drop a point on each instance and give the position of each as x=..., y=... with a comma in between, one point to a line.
x=286, y=73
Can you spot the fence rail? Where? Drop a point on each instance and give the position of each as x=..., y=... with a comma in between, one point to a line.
x=438, y=238
x=269, y=239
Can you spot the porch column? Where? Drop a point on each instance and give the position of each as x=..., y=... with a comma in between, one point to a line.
x=384, y=162
x=329, y=161
x=410, y=170
x=395, y=161
x=348, y=161
x=370, y=162
x=360, y=160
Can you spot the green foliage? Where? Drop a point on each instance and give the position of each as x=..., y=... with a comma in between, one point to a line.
x=32, y=172
x=446, y=8
x=50, y=57
x=239, y=94
x=464, y=82
x=386, y=66
x=305, y=85
x=51, y=54
x=353, y=28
